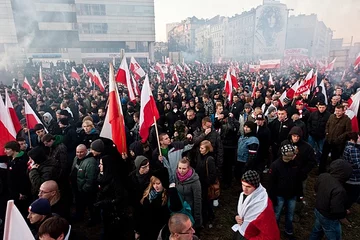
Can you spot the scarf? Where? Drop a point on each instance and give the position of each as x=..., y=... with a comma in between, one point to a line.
x=153, y=194
x=251, y=208
x=185, y=177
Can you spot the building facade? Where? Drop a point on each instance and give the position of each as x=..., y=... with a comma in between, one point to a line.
x=306, y=31
x=85, y=29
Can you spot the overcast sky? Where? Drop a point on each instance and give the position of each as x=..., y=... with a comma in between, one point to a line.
x=341, y=16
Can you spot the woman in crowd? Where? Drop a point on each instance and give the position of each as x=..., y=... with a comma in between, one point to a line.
x=188, y=184
x=154, y=212
x=111, y=199
x=205, y=167
x=90, y=133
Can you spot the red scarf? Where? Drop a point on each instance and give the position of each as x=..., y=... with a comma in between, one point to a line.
x=185, y=177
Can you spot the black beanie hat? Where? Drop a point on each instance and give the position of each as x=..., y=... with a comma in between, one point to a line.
x=64, y=121
x=163, y=175
x=37, y=154
x=97, y=145
x=251, y=125
x=251, y=177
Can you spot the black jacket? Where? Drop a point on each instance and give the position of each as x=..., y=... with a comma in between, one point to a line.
x=280, y=130
x=317, y=123
x=330, y=192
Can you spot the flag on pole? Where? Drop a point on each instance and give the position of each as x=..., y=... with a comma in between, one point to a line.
x=64, y=78
x=330, y=67
x=357, y=60
x=123, y=76
x=271, y=81
x=354, y=103
x=41, y=80
x=175, y=77
x=135, y=86
x=197, y=62
x=26, y=85
x=12, y=112
x=228, y=86
x=288, y=95
x=7, y=130
x=98, y=81
x=15, y=227
x=255, y=87
x=322, y=85
x=85, y=71
x=74, y=74
x=114, y=125
x=186, y=67
x=31, y=118
x=148, y=110
x=234, y=80
x=136, y=69
x=306, y=84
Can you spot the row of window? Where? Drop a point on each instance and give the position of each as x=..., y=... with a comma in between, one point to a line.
x=114, y=10
x=114, y=28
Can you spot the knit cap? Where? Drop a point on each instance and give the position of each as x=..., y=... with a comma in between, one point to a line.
x=288, y=151
x=41, y=206
x=97, y=145
x=251, y=177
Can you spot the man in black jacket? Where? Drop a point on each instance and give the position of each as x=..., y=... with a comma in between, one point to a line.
x=316, y=129
x=330, y=201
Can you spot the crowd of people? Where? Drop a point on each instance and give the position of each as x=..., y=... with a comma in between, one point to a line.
x=62, y=172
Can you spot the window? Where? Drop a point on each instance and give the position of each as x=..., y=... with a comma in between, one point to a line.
x=91, y=9
x=93, y=28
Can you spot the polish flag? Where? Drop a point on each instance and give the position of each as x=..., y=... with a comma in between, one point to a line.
x=197, y=62
x=12, y=112
x=160, y=71
x=114, y=125
x=271, y=81
x=148, y=111
x=90, y=82
x=186, y=67
x=179, y=68
x=136, y=86
x=123, y=76
x=354, y=103
x=74, y=74
x=41, y=80
x=15, y=227
x=322, y=85
x=289, y=94
x=234, y=80
x=64, y=78
x=152, y=70
x=26, y=85
x=306, y=84
x=254, y=88
x=357, y=60
x=158, y=78
x=254, y=68
x=97, y=80
x=31, y=118
x=343, y=76
x=85, y=70
x=90, y=73
x=7, y=130
x=175, y=77
x=229, y=86
x=136, y=69
x=330, y=67
x=269, y=64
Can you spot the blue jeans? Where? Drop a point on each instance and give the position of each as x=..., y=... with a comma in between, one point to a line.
x=323, y=225
x=318, y=146
x=290, y=205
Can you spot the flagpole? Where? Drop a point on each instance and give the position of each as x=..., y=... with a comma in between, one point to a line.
x=157, y=135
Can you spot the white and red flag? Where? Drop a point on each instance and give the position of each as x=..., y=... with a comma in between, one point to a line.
x=357, y=60
x=123, y=76
x=234, y=80
x=330, y=66
x=31, y=118
x=64, y=78
x=135, y=86
x=7, y=130
x=15, y=227
x=186, y=68
x=175, y=77
x=322, y=85
x=41, y=79
x=98, y=81
x=74, y=74
x=136, y=69
x=179, y=68
x=306, y=84
x=160, y=71
x=270, y=64
x=12, y=112
x=354, y=105
x=289, y=94
x=148, y=111
x=271, y=81
x=254, y=68
x=26, y=85
x=229, y=86
x=114, y=124
x=85, y=70
x=197, y=62
x=255, y=87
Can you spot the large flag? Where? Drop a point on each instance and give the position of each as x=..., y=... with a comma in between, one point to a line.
x=357, y=60
x=31, y=118
x=7, y=130
x=15, y=227
x=229, y=86
x=306, y=84
x=74, y=74
x=98, y=81
x=254, y=68
x=41, y=80
x=330, y=67
x=354, y=103
x=234, y=80
x=114, y=125
x=269, y=64
x=12, y=112
x=26, y=85
x=148, y=111
x=289, y=94
x=136, y=69
x=123, y=76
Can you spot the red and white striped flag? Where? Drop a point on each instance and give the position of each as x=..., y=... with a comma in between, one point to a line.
x=271, y=81
x=306, y=83
x=186, y=68
x=289, y=94
x=234, y=80
x=114, y=124
x=160, y=71
x=26, y=85
x=228, y=86
x=98, y=81
x=85, y=71
x=179, y=68
x=357, y=60
x=136, y=69
x=255, y=87
x=330, y=67
x=175, y=77
x=12, y=112
x=64, y=78
x=148, y=111
x=136, y=86
x=353, y=110
x=197, y=62
x=74, y=74
x=7, y=130
x=31, y=118
x=123, y=76
x=41, y=80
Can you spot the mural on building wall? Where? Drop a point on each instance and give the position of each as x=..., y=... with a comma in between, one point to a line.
x=270, y=30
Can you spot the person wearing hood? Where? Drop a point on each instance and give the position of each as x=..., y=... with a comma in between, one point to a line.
x=50, y=123
x=188, y=184
x=330, y=203
x=317, y=97
x=111, y=199
x=248, y=145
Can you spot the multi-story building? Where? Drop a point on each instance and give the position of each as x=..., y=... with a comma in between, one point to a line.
x=336, y=44
x=170, y=27
x=203, y=43
x=306, y=31
x=218, y=36
x=85, y=29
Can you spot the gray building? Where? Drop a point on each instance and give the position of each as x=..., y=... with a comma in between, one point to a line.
x=306, y=31
x=85, y=29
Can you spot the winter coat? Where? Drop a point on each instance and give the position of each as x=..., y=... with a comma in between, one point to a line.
x=88, y=138
x=280, y=130
x=317, y=123
x=71, y=139
x=229, y=129
x=352, y=156
x=337, y=129
x=87, y=170
x=51, y=125
x=190, y=189
x=206, y=176
x=264, y=136
x=18, y=180
x=58, y=151
x=330, y=193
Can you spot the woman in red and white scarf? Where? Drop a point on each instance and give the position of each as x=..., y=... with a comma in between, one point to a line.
x=256, y=217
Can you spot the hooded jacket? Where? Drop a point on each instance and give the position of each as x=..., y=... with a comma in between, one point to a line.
x=305, y=159
x=317, y=123
x=51, y=124
x=330, y=193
